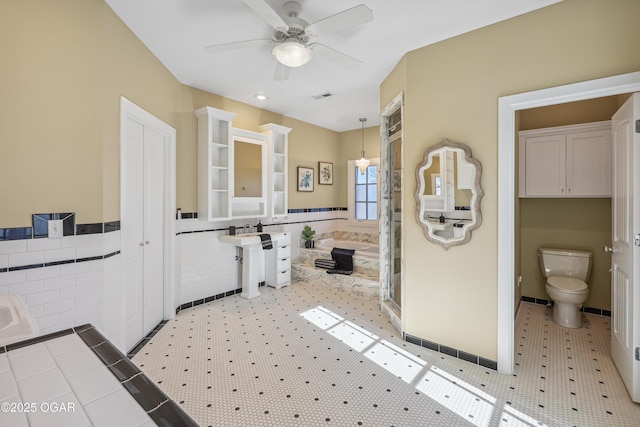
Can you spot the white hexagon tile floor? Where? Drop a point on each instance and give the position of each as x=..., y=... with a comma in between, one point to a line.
x=305, y=356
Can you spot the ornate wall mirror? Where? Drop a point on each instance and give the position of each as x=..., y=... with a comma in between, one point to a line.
x=448, y=194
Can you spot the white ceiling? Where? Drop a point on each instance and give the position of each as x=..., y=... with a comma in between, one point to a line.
x=177, y=31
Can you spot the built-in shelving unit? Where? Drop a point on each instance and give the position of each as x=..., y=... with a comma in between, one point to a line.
x=241, y=174
x=214, y=163
x=277, y=169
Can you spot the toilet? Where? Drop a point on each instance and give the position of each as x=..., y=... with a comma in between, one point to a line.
x=567, y=272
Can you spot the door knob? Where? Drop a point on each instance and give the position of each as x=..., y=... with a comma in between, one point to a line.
x=610, y=249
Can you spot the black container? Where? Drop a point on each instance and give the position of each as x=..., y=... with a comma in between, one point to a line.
x=232, y=230
x=259, y=227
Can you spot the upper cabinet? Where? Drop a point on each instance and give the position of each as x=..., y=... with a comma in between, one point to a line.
x=241, y=174
x=214, y=163
x=566, y=161
x=277, y=170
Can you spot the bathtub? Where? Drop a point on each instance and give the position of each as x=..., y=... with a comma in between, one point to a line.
x=16, y=321
x=369, y=250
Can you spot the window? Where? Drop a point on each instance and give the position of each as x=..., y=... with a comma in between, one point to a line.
x=366, y=193
x=436, y=184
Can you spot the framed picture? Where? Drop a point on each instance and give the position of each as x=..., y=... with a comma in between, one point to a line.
x=305, y=179
x=325, y=173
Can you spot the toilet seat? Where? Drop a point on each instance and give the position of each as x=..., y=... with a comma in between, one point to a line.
x=568, y=285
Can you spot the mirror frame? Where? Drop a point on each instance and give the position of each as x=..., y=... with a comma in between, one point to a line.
x=476, y=195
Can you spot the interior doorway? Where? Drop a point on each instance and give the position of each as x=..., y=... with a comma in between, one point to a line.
x=147, y=206
x=507, y=108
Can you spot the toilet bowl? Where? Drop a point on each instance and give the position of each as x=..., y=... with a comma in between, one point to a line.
x=568, y=294
x=566, y=272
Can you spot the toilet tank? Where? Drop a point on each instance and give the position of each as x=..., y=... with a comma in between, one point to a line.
x=565, y=263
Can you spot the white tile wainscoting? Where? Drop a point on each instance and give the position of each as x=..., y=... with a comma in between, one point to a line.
x=208, y=267
x=61, y=280
x=74, y=280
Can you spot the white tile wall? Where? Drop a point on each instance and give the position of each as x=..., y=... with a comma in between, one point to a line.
x=64, y=295
x=72, y=294
x=208, y=267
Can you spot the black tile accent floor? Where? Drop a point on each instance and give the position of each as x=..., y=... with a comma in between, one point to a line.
x=310, y=356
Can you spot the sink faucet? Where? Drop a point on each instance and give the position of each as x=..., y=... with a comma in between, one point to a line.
x=247, y=228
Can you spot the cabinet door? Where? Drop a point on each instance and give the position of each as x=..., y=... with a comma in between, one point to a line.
x=589, y=164
x=545, y=166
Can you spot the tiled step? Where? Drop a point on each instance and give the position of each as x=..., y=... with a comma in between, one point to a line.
x=356, y=283
x=362, y=266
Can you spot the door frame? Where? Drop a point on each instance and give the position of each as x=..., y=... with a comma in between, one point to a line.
x=129, y=110
x=507, y=108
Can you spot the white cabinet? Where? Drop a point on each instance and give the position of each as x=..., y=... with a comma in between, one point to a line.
x=214, y=164
x=261, y=190
x=278, y=263
x=277, y=168
x=566, y=161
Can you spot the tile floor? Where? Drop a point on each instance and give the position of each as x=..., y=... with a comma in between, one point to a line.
x=308, y=356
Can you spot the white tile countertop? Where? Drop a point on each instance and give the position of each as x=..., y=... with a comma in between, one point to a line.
x=78, y=378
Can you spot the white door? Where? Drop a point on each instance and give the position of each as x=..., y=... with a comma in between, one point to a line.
x=142, y=230
x=625, y=257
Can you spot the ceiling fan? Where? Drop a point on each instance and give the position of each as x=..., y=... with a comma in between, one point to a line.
x=290, y=43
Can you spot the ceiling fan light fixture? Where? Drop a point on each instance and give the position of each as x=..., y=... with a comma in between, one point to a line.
x=292, y=53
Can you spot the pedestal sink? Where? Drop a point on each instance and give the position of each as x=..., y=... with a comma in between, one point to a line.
x=251, y=245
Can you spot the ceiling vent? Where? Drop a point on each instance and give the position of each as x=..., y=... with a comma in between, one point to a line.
x=323, y=95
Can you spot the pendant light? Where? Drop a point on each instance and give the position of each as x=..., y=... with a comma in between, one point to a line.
x=363, y=163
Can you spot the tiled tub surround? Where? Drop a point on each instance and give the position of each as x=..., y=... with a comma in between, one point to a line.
x=364, y=281
x=350, y=236
x=75, y=377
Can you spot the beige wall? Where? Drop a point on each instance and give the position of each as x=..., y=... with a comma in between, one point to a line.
x=582, y=224
x=49, y=109
x=452, y=89
x=65, y=65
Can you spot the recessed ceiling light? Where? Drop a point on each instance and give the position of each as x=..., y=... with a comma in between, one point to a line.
x=260, y=96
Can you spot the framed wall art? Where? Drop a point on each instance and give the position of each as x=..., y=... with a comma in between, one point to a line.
x=305, y=179
x=325, y=173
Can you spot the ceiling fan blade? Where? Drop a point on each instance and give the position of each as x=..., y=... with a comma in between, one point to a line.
x=282, y=72
x=268, y=14
x=340, y=21
x=225, y=47
x=338, y=58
